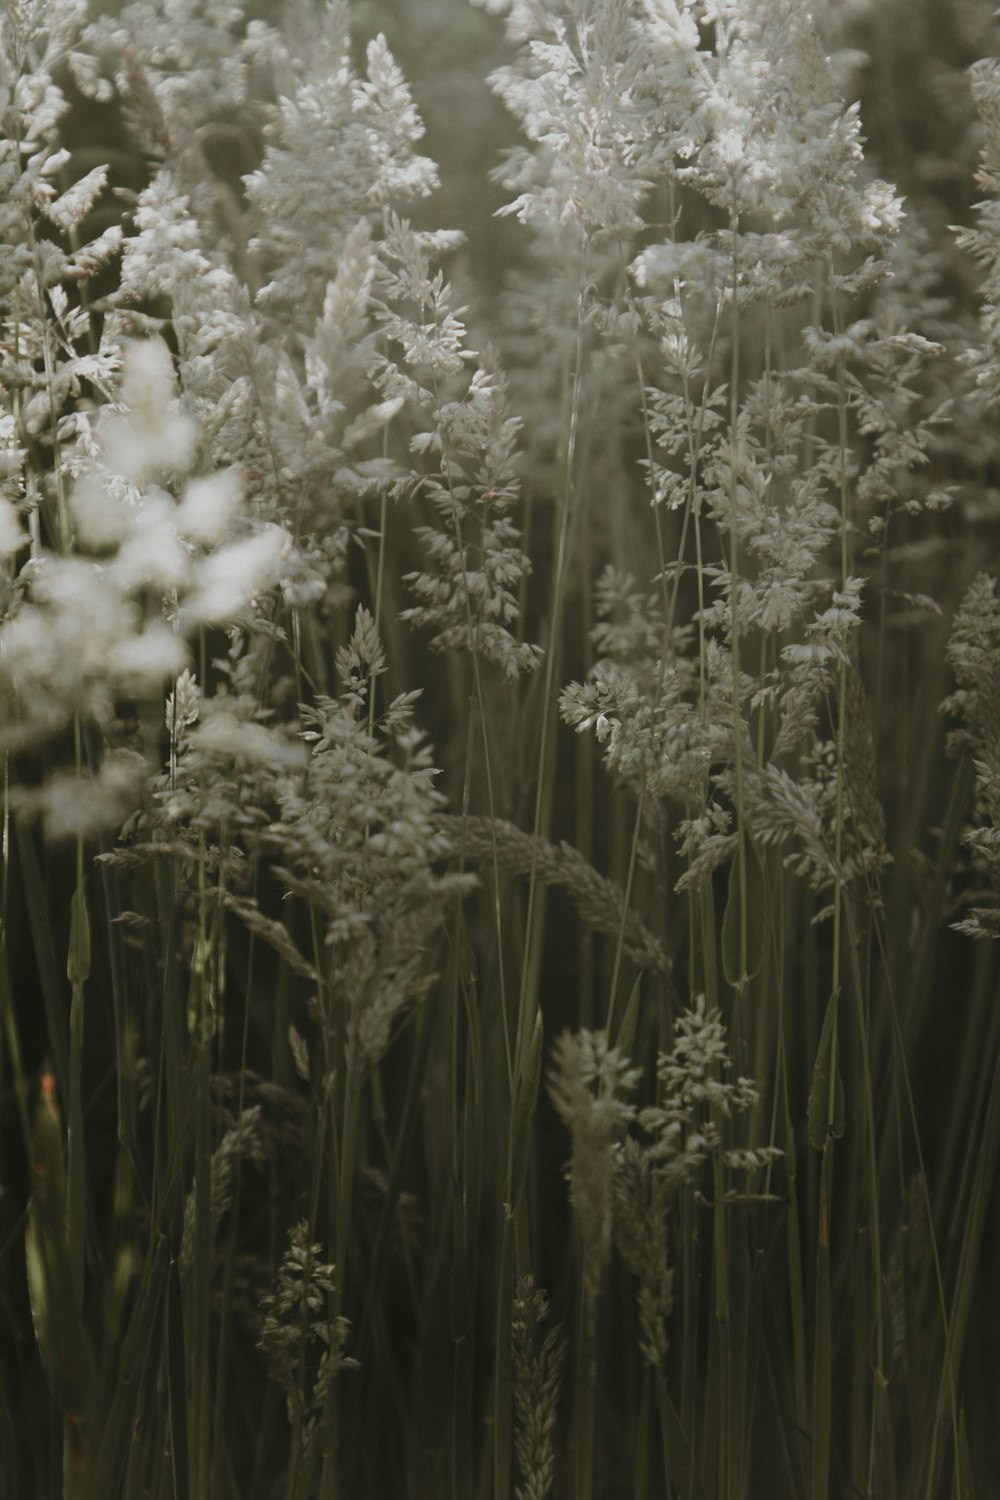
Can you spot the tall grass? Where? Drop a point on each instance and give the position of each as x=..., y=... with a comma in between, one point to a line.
x=499, y=861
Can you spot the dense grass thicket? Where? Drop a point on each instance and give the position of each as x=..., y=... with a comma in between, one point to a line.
x=500, y=739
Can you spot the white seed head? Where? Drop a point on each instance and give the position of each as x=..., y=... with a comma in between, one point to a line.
x=208, y=506
x=227, y=580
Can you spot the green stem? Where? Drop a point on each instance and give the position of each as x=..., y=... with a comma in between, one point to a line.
x=330, y=1481
x=525, y=1017
x=586, y=1396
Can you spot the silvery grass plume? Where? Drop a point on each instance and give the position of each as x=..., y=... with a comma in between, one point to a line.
x=341, y=337
x=624, y=1184
x=51, y=365
x=206, y=816
x=356, y=841
x=108, y=620
x=341, y=149
x=470, y=600
x=579, y=187
x=204, y=61
x=467, y=439
x=687, y=1128
x=974, y=646
x=169, y=259
x=983, y=241
x=772, y=458
x=344, y=334
x=575, y=86
x=272, y=316
x=345, y=818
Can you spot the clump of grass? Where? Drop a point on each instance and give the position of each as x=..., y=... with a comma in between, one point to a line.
x=307, y=892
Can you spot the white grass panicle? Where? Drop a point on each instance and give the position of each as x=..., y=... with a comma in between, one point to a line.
x=108, y=621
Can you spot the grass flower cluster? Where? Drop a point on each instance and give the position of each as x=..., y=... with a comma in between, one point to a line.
x=501, y=767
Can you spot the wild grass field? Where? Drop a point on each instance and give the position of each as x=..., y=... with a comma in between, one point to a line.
x=500, y=738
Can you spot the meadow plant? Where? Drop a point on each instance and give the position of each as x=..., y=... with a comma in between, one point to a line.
x=538, y=1362
x=330, y=957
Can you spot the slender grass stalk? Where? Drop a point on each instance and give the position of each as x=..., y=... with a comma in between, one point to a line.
x=586, y=1386
x=734, y=618
x=525, y=1018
